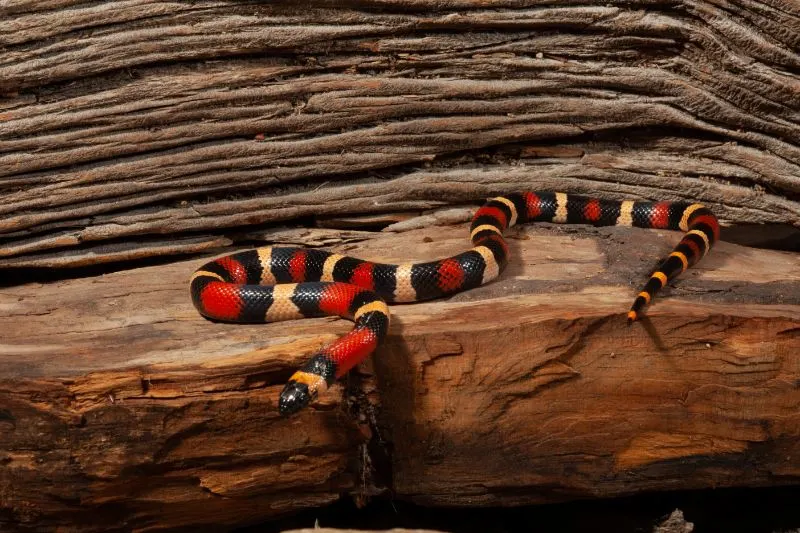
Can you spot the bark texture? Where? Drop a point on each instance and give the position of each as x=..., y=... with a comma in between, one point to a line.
x=122, y=408
x=144, y=128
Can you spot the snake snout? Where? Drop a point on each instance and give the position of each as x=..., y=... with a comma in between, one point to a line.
x=294, y=397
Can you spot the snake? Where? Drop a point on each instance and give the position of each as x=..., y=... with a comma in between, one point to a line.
x=277, y=283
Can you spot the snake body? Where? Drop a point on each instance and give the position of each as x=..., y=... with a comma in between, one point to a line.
x=271, y=284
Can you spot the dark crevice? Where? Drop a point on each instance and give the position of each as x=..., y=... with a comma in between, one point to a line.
x=730, y=510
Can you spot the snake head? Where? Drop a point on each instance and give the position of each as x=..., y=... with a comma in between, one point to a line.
x=294, y=397
x=306, y=384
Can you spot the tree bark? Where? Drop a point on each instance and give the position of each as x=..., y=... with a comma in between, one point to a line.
x=122, y=407
x=127, y=121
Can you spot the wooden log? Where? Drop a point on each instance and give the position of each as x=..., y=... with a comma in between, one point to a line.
x=125, y=121
x=138, y=129
x=120, y=405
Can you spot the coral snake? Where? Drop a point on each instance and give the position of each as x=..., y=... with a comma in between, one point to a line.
x=283, y=283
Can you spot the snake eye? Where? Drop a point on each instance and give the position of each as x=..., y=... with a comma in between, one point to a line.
x=294, y=397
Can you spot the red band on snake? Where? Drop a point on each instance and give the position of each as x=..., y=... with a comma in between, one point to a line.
x=281, y=283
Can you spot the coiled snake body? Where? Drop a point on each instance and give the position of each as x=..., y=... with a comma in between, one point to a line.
x=283, y=283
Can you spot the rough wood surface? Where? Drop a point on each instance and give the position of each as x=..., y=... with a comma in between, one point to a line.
x=125, y=121
x=121, y=406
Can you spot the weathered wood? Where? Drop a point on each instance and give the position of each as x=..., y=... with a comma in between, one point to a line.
x=135, y=129
x=124, y=121
x=120, y=405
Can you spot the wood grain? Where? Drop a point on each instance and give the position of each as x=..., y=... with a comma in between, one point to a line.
x=126, y=121
x=121, y=406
